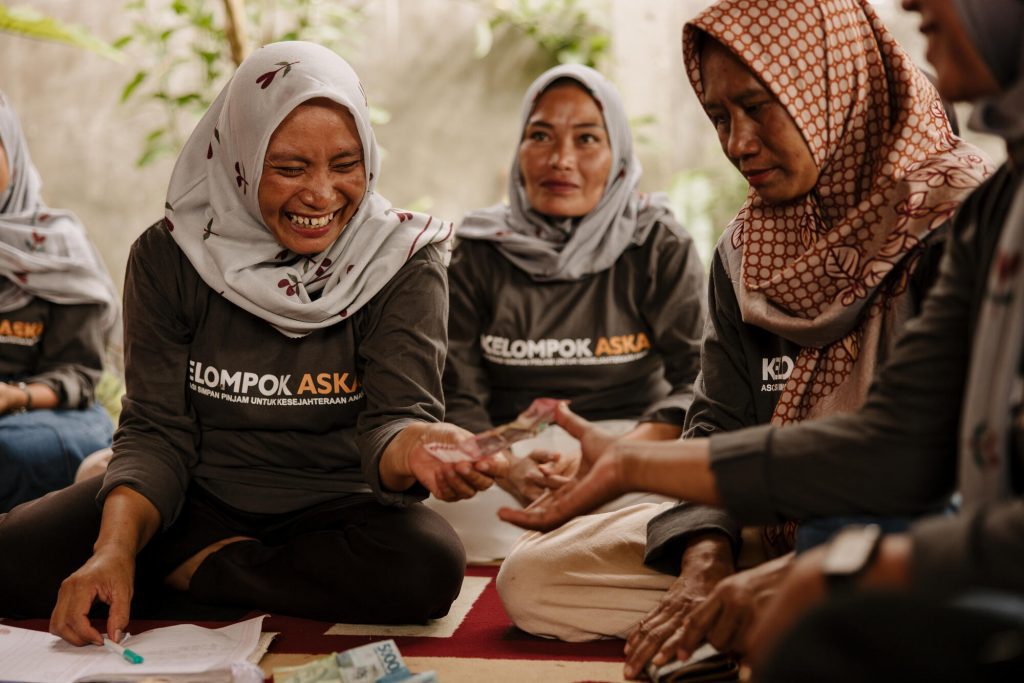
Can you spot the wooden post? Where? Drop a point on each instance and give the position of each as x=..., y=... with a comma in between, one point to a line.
x=236, y=30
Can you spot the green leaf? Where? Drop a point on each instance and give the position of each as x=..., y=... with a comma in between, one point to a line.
x=133, y=84
x=153, y=153
x=187, y=98
x=179, y=7
x=32, y=24
x=122, y=41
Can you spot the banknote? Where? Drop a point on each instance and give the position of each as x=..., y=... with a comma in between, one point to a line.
x=379, y=662
x=369, y=663
x=322, y=670
x=528, y=424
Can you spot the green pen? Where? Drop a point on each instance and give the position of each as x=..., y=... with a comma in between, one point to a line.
x=126, y=654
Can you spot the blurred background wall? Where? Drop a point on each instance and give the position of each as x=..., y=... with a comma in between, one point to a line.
x=446, y=75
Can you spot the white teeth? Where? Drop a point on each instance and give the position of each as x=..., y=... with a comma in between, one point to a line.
x=308, y=222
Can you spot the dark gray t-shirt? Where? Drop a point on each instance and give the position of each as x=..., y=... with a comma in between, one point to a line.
x=621, y=343
x=59, y=345
x=265, y=422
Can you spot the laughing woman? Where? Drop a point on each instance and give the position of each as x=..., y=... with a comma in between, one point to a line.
x=285, y=334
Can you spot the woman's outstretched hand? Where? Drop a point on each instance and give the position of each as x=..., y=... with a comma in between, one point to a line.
x=594, y=441
x=406, y=461
x=532, y=476
x=603, y=483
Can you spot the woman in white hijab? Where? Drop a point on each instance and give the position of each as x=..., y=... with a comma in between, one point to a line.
x=58, y=310
x=581, y=287
x=285, y=334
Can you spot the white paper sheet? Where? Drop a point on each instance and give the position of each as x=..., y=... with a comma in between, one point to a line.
x=36, y=657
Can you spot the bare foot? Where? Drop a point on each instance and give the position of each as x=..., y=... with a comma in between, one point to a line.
x=181, y=577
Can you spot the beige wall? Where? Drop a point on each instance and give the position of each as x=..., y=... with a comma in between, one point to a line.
x=454, y=117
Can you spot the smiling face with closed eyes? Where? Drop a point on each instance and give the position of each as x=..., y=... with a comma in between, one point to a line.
x=755, y=131
x=313, y=176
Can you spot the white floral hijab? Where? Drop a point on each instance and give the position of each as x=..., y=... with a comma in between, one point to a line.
x=213, y=211
x=45, y=252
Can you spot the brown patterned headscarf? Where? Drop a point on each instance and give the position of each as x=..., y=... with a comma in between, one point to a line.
x=827, y=270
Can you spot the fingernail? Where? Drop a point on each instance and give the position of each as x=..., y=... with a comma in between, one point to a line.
x=629, y=671
x=484, y=467
x=117, y=635
x=659, y=658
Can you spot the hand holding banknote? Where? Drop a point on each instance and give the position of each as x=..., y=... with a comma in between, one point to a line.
x=451, y=479
x=528, y=424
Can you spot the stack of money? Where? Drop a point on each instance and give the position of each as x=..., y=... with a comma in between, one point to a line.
x=379, y=662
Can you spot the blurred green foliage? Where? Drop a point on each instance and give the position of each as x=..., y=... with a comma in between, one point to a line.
x=567, y=31
x=183, y=54
x=29, y=23
x=706, y=201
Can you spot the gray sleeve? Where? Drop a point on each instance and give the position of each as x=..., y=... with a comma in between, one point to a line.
x=402, y=355
x=674, y=311
x=722, y=402
x=467, y=388
x=896, y=455
x=71, y=354
x=983, y=548
x=669, y=533
x=156, y=443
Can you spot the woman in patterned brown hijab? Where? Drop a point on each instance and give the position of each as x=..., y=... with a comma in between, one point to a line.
x=822, y=262
x=852, y=168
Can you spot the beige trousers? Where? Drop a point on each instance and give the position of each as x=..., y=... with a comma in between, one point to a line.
x=586, y=580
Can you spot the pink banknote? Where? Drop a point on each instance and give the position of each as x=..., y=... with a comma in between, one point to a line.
x=530, y=423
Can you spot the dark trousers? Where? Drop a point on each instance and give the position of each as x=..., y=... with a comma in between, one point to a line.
x=350, y=560
x=878, y=637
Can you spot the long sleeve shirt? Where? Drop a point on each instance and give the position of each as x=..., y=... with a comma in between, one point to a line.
x=265, y=422
x=744, y=369
x=621, y=343
x=59, y=345
x=898, y=454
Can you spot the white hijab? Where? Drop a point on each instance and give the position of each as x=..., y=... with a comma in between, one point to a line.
x=559, y=249
x=45, y=252
x=213, y=210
